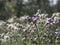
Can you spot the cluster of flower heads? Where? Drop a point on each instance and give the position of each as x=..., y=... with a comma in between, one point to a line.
x=27, y=27
x=55, y=18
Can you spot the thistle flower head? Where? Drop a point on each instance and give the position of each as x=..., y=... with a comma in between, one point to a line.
x=50, y=21
x=35, y=18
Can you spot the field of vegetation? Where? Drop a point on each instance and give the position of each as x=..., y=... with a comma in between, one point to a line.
x=29, y=22
x=36, y=30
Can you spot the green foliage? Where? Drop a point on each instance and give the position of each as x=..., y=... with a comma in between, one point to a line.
x=58, y=6
x=19, y=7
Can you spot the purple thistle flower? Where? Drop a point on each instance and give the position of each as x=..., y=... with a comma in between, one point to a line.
x=34, y=18
x=50, y=20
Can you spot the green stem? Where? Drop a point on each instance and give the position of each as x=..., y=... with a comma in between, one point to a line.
x=38, y=35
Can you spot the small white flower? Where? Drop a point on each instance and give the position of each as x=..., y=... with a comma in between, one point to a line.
x=24, y=30
x=10, y=20
x=32, y=31
x=22, y=18
x=23, y=38
x=6, y=38
x=15, y=28
x=57, y=29
x=56, y=32
x=56, y=19
x=28, y=25
x=55, y=14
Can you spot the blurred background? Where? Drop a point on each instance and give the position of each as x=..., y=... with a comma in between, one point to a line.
x=9, y=8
